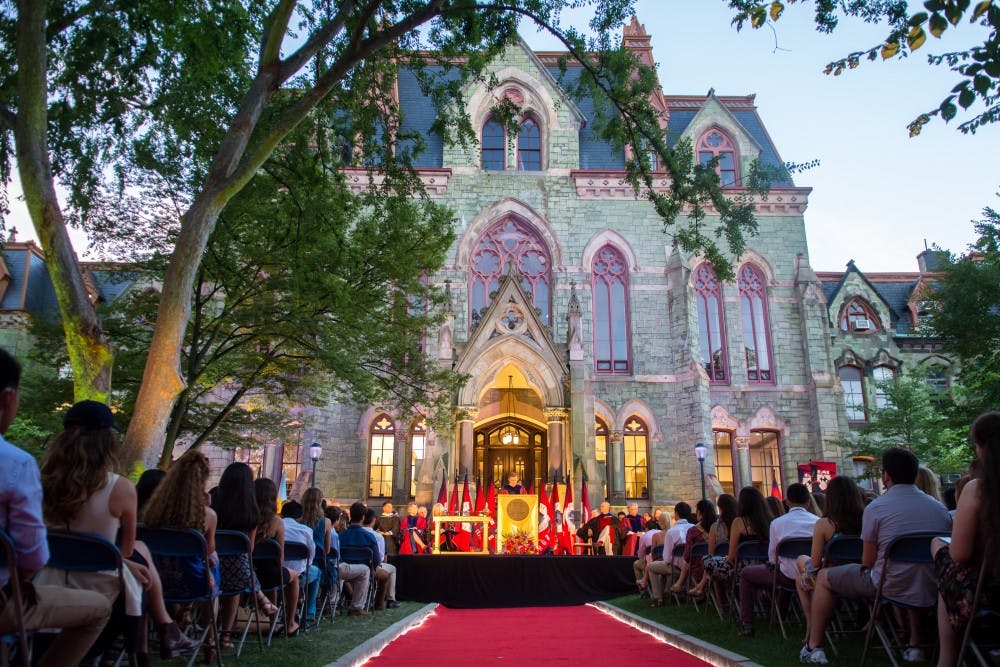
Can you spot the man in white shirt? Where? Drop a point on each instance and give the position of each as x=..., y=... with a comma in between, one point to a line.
x=799, y=522
x=385, y=595
x=298, y=533
x=676, y=534
x=644, y=554
x=81, y=614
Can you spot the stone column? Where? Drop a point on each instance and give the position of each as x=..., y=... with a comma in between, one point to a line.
x=556, y=419
x=616, y=485
x=401, y=465
x=466, y=420
x=742, y=472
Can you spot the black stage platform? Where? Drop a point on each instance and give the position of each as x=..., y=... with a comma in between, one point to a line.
x=469, y=581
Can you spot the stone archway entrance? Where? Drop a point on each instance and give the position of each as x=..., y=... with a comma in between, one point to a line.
x=526, y=454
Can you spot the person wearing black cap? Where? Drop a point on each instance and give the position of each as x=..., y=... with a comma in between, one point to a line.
x=84, y=494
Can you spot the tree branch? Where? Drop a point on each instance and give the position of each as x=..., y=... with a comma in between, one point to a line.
x=274, y=34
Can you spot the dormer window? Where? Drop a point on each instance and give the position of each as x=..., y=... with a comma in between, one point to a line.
x=859, y=317
x=529, y=146
x=716, y=143
x=493, y=146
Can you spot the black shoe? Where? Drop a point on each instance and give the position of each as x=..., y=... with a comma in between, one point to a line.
x=746, y=630
x=392, y=604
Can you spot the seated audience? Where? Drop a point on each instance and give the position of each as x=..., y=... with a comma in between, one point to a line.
x=692, y=568
x=901, y=509
x=752, y=522
x=796, y=523
x=974, y=536
x=717, y=537
x=819, y=497
x=644, y=554
x=82, y=493
x=775, y=506
x=673, y=536
x=322, y=528
x=412, y=531
x=633, y=522
x=148, y=481
x=604, y=529
x=385, y=573
x=929, y=483
x=271, y=527
x=298, y=533
x=844, y=505
x=351, y=565
x=79, y=614
x=236, y=509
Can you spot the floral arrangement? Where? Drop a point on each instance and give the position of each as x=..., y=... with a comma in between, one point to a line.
x=519, y=543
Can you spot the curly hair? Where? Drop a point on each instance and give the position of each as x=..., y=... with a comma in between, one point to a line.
x=312, y=507
x=266, y=495
x=179, y=500
x=76, y=468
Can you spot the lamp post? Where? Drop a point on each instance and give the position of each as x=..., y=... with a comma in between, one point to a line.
x=700, y=451
x=314, y=453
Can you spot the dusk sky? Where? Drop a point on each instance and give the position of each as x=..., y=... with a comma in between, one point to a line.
x=877, y=194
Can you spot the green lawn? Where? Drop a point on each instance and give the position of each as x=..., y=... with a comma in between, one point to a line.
x=767, y=647
x=321, y=645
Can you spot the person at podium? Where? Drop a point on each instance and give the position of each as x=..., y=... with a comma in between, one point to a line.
x=605, y=529
x=513, y=485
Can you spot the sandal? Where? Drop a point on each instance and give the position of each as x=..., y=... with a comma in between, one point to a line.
x=226, y=640
x=266, y=606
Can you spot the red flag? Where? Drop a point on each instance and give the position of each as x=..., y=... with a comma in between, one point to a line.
x=466, y=497
x=453, y=502
x=569, y=519
x=775, y=489
x=544, y=521
x=480, y=496
x=464, y=536
x=585, y=503
x=443, y=493
x=491, y=503
x=476, y=543
x=526, y=490
x=556, y=509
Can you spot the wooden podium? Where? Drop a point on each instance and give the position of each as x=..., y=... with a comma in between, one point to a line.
x=516, y=514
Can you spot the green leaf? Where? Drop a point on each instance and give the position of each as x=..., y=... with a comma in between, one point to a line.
x=934, y=5
x=966, y=98
x=992, y=68
x=938, y=24
x=917, y=19
x=948, y=110
x=916, y=38
x=982, y=84
x=980, y=10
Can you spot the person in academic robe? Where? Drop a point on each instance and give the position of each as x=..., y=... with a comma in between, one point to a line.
x=605, y=529
x=513, y=485
x=633, y=520
x=412, y=528
x=388, y=527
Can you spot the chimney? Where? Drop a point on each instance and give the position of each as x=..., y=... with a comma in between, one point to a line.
x=931, y=260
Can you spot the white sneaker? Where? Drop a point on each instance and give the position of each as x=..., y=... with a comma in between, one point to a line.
x=913, y=654
x=817, y=656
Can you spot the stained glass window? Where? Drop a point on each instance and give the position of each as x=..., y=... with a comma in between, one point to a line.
x=509, y=241
x=611, y=319
x=711, y=323
x=756, y=334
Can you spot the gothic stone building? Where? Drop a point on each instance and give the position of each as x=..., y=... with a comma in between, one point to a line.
x=591, y=344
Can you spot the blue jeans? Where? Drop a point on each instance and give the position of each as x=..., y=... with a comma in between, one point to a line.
x=312, y=592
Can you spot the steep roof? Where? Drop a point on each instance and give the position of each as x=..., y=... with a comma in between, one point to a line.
x=895, y=289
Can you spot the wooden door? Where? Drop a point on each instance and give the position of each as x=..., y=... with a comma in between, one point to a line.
x=502, y=462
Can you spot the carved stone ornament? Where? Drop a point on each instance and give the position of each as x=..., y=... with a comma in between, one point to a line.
x=511, y=320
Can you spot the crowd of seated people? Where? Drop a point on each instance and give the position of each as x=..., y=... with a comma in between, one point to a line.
x=911, y=503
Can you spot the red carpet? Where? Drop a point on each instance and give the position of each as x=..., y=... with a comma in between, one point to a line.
x=525, y=636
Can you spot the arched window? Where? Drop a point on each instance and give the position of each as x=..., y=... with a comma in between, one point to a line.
x=418, y=445
x=882, y=376
x=765, y=460
x=603, y=457
x=756, y=332
x=611, y=321
x=859, y=317
x=636, y=456
x=509, y=241
x=529, y=146
x=493, y=146
x=382, y=445
x=714, y=143
x=854, y=392
x=724, y=470
x=711, y=323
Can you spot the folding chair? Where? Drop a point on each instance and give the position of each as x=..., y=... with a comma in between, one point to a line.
x=84, y=552
x=979, y=616
x=699, y=550
x=748, y=552
x=721, y=551
x=234, y=544
x=268, y=551
x=914, y=548
x=185, y=544
x=792, y=547
x=841, y=550
x=330, y=594
x=297, y=551
x=360, y=555
x=675, y=553
x=9, y=555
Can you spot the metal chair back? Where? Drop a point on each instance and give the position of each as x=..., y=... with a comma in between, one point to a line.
x=9, y=556
x=843, y=549
x=236, y=544
x=752, y=550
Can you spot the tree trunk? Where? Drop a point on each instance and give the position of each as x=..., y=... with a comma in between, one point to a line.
x=89, y=353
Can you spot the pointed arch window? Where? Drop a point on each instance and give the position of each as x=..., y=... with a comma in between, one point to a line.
x=754, y=318
x=418, y=445
x=854, y=392
x=636, y=442
x=859, y=317
x=716, y=143
x=609, y=276
x=507, y=242
x=381, y=450
x=711, y=323
x=493, y=146
x=529, y=146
